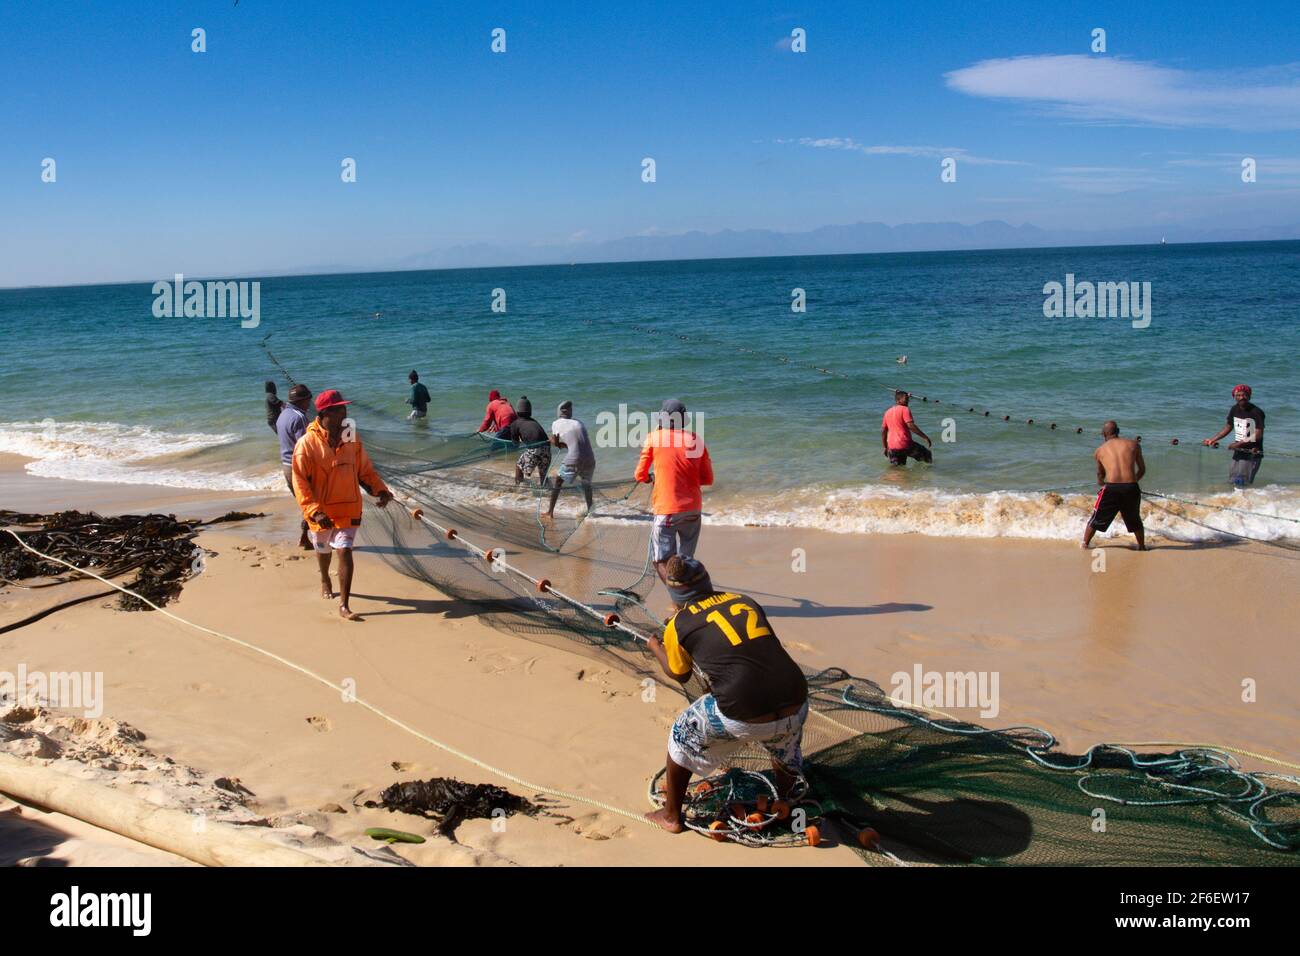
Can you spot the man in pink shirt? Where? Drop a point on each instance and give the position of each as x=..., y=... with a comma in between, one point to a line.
x=896, y=432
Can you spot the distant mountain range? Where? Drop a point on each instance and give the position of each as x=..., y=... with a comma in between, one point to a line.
x=861, y=237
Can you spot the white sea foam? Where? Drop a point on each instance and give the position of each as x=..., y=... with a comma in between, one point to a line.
x=1015, y=514
x=125, y=454
x=109, y=452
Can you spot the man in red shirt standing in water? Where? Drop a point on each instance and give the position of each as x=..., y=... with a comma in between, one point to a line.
x=896, y=430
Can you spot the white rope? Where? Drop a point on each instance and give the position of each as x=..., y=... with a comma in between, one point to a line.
x=504, y=774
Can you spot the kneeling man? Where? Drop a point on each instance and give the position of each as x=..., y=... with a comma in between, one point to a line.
x=759, y=693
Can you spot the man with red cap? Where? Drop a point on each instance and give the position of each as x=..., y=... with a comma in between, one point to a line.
x=330, y=467
x=498, y=415
x=1246, y=422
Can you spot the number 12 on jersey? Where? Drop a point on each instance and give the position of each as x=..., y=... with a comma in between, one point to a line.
x=752, y=628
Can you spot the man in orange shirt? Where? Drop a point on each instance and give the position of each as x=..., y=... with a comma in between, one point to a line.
x=681, y=466
x=896, y=431
x=328, y=465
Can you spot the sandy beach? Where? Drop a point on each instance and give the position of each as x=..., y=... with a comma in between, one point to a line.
x=1153, y=649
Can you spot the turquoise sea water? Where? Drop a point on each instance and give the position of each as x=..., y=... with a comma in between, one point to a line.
x=95, y=387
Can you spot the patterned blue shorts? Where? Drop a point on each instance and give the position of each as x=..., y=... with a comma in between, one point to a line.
x=703, y=738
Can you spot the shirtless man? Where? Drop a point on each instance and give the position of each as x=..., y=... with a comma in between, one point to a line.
x=1119, y=469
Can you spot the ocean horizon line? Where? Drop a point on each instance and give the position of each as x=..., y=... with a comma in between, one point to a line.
x=348, y=271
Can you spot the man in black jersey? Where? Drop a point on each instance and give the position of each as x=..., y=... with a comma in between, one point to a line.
x=759, y=695
x=1246, y=420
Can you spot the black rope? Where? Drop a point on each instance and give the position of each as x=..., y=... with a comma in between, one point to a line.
x=33, y=618
x=972, y=409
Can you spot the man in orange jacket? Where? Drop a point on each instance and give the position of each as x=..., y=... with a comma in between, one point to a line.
x=681, y=466
x=329, y=469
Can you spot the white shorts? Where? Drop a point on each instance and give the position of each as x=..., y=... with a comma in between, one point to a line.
x=336, y=538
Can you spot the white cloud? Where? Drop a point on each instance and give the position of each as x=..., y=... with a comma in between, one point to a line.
x=1107, y=89
x=927, y=152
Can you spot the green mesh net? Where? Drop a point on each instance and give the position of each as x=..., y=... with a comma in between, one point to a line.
x=937, y=791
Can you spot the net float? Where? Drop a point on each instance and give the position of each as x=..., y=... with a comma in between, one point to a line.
x=813, y=836
x=868, y=839
x=611, y=619
x=718, y=830
x=781, y=808
x=544, y=585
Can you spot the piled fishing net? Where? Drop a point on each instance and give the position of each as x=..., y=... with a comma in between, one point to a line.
x=936, y=790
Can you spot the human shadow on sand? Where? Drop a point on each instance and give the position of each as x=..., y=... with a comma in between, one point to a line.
x=450, y=608
x=813, y=609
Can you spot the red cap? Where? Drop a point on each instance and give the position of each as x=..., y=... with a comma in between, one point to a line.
x=1240, y=388
x=493, y=395
x=329, y=398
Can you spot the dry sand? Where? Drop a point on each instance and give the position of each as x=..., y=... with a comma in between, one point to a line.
x=1154, y=648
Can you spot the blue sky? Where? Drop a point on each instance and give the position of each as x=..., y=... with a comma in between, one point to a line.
x=228, y=161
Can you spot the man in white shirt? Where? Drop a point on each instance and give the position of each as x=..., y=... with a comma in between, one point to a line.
x=579, y=460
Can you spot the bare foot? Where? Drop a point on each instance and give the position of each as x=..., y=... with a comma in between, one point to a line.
x=347, y=614
x=327, y=590
x=661, y=817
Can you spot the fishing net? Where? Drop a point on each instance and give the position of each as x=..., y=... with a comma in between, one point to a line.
x=936, y=790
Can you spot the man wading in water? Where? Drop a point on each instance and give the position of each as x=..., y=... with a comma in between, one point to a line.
x=1119, y=469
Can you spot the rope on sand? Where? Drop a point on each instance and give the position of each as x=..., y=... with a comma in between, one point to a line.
x=482, y=765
